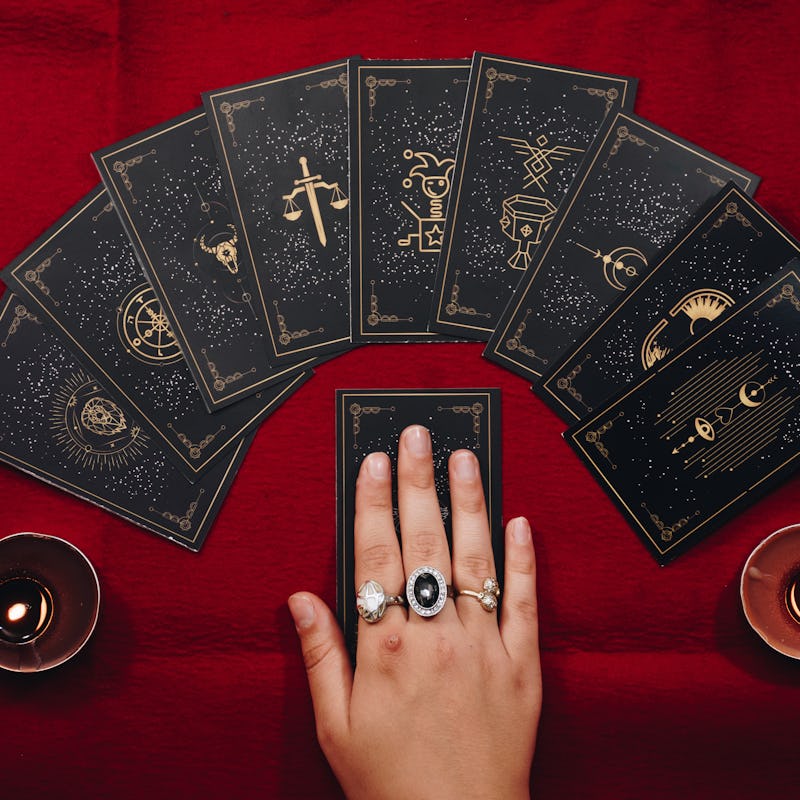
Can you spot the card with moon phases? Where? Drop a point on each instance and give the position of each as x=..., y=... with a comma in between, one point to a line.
x=166, y=186
x=405, y=117
x=282, y=144
x=371, y=420
x=706, y=431
x=82, y=277
x=526, y=129
x=59, y=424
x=724, y=253
x=638, y=186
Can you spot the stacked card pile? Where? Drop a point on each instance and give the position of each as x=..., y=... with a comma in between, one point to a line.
x=621, y=269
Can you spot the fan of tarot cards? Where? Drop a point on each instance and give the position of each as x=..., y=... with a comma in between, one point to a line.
x=623, y=271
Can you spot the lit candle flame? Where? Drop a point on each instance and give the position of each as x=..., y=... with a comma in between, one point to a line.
x=17, y=611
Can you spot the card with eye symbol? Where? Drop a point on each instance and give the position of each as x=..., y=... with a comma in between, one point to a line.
x=526, y=129
x=404, y=122
x=82, y=277
x=638, y=186
x=282, y=145
x=725, y=253
x=166, y=186
x=708, y=431
x=370, y=421
x=59, y=424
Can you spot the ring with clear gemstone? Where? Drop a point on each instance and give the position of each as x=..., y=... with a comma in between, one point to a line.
x=427, y=591
x=372, y=601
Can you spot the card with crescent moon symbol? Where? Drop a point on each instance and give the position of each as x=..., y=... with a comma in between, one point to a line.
x=282, y=144
x=61, y=425
x=724, y=253
x=81, y=277
x=705, y=431
x=637, y=188
x=371, y=420
x=404, y=122
x=183, y=234
x=525, y=131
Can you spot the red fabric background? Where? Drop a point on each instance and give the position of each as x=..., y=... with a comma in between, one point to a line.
x=193, y=683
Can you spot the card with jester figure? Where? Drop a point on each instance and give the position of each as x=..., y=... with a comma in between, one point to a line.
x=724, y=253
x=61, y=425
x=81, y=276
x=638, y=186
x=371, y=420
x=282, y=145
x=166, y=186
x=707, y=431
x=526, y=129
x=404, y=122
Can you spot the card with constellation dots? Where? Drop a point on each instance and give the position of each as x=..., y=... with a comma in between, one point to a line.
x=725, y=253
x=404, y=122
x=282, y=144
x=708, y=431
x=82, y=277
x=526, y=129
x=62, y=426
x=371, y=420
x=167, y=189
x=637, y=188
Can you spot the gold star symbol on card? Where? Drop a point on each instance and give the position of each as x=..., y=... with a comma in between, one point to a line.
x=435, y=236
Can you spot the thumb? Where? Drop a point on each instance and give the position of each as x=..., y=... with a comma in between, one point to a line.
x=330, y=675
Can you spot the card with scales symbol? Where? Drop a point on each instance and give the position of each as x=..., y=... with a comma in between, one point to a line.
x=525, y=131
x=62, y=426
x=722, y=255
x=282, y=145
x=404, y=122
x=370, y=420
x=81, y=276
x=707, y=431
x=638, y=186
x=166, y=186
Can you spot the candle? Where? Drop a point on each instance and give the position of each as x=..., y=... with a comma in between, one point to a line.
x=793, y=597
x=26, y=609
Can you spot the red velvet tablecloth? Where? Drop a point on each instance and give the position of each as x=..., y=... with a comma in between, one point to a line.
x=193, y=684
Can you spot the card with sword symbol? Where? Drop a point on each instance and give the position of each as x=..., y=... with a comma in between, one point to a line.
x=282, y=145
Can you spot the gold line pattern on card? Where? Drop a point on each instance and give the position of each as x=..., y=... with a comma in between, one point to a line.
x=565, y=383
x=34, y=276
x=515, y=342
x=595, y=438
x=106, y=209
x=357, y=411
x=143, y=328
x=616, y=263
x=715, y=179
x=122, y=167
x=666, y=532
x=786, y=293
x=732, y=212
x=229, y=109
x=21, y=314
x=475, y=411
x=183, y=521
x=624, y=135
x=375, y=317
x=373, y=84
x=492, y=77
x=609, y=95
x=195, y=450
x=340, y=82
x=434, y=175
x=221, y=382
x=539, y=157
x=286, y=337
x=454, y=306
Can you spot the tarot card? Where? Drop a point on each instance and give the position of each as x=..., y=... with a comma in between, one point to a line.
x=723, y=255
x=708, y=431
x=405, y=117
x=166, y=186
x=62, y=426
x=282, y=144
x=372, y=420
x=526, y=130
x=638, y=186
x=82, y=277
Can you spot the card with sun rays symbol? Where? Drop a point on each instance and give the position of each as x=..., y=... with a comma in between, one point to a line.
x=723, y=254
x=637, y=187
x=706, y=431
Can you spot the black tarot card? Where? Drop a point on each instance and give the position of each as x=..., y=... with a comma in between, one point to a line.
x=526, y=129
x=82, y=276
x=722, y=256
x=405, y=117
x=372, y=420
x=60, y=425
x=708, y=431
x=282, y=144
x=638, y=186
x=166, y=186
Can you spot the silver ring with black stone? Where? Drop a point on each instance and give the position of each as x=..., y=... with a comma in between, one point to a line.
x=372, y=601
x=427, y=591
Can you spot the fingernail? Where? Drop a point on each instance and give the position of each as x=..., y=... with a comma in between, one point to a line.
x=418, y=440
x=302, y=611
x=378, y=465
x=520, y=530
x=466, y=466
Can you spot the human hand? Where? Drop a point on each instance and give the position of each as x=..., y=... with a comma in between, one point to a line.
x=441, y=707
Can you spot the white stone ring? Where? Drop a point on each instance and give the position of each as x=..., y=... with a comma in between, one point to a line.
x=427, y=591
x=487, y=597
x=372, y=601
